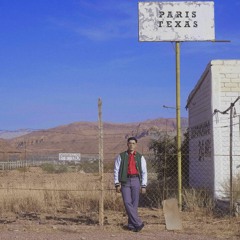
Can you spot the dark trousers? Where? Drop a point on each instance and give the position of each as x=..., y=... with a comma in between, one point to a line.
x=130, y=194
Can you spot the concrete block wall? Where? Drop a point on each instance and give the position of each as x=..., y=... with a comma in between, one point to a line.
x=217, y=88
x=227, y=72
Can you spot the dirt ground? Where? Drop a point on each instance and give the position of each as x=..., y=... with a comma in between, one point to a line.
x=47, y=227
x=72, y=224
x=22, y=230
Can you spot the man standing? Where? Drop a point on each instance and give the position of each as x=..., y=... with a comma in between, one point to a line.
x=130, y=178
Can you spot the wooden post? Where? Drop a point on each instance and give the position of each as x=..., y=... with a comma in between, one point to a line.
x=100, y=134
x=25, y=150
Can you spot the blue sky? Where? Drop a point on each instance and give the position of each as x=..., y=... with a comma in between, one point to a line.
x=59, y=56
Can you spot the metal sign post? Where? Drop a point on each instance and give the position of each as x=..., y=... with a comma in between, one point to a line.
x=178, y=118
x=176, y=22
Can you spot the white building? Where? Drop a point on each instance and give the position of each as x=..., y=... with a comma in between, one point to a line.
x=209, y=153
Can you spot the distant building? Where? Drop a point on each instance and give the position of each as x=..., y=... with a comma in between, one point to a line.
x=209, y=152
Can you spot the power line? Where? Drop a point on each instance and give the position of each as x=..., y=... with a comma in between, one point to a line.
x=228, y=109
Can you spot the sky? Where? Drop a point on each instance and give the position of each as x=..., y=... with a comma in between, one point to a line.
x=58, y=57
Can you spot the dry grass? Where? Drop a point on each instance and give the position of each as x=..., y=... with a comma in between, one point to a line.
x=200, y=216
x=75, y=193
x=235, y=186
x=36, y=191
x=197, y=200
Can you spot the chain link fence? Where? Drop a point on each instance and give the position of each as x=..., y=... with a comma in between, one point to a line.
x=36, y=185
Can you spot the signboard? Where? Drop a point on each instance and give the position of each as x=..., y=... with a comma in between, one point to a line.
x=69, y=156
x=176, y=21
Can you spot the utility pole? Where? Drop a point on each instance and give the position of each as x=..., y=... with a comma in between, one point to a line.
x=230, y=150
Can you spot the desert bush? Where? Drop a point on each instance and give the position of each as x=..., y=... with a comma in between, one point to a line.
x=89, y=166
x=113, y=201
x=164, y=160
x=48, y=167
x=197, y=199
x=156, y=194
x=235, y=187
x=52, y=168
x=61, y=169
x=108, y=167
x=23, y=169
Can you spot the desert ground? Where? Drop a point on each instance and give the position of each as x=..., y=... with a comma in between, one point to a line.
x=35, y=204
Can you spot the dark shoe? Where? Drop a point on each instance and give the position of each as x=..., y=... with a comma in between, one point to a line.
x=126, y=227
x=138, y=229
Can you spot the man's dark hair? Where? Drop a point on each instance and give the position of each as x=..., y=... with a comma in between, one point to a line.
x=132, y=138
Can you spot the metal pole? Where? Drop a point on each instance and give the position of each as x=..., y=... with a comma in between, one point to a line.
x=178, y=118
x=230, y=158
x=101, y=199
x=165, y=165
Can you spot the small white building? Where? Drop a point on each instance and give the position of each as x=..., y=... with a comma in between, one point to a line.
x=209, y=152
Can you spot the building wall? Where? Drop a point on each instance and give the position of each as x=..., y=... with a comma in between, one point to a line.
x=226, y=77
x=218, y=87
x=200, y=126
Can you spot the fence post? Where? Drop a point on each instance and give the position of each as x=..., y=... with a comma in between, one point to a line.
x=100, y=134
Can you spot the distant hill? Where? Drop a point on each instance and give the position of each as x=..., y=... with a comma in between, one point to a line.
x=83, y=137
x=13, y=134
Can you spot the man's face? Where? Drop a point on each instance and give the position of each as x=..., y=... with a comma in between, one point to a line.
x=131, y=145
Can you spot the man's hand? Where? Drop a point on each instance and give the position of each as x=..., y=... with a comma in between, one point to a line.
x=143, y=190
x=118, y=189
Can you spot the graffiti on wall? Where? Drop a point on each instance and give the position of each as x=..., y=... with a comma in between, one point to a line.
x=204, y=149
x=199, y=132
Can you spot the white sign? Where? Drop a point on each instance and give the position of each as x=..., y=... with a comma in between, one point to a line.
x=176, y=21
x=69, y=156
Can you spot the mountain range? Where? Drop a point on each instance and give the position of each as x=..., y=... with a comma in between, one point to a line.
x=83, y=137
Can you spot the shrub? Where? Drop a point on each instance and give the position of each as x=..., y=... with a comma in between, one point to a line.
x=195, y=199
x=61, y=169
x=235, y=186
x=23, y=169
x=51, y=168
